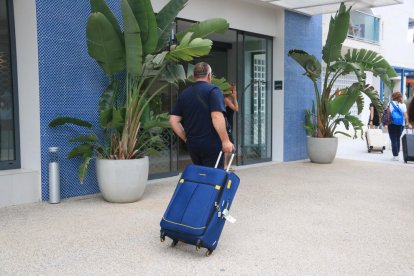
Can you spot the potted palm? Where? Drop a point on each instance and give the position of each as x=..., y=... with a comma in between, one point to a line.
x=140, y=62
x=332, y=108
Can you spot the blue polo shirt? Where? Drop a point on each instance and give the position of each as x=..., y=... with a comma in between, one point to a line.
x=195, y=105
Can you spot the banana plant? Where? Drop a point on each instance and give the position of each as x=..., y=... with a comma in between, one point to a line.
x=332, y=108
x=140, y=64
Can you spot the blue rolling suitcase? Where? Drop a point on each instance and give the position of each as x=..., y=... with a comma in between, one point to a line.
x=200, y=206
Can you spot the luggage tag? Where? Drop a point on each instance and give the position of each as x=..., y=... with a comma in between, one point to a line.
x=218, y=209
x=228, y=217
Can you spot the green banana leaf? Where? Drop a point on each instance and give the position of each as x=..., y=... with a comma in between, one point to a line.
x=104, y=44
x=83, y=168
x=349, y=120
x=113, y=118
x=222, y=84
x=173, y=73
x=188, y=49
x=109, y=97
x=338, y=32
x=80, y=150
x=165, y=20
x=347, y=67
x=133, y=45
x=343, y=102
x=144, y=15
x=372, y=62
x=102, y=7
x=58, y=121
x=309, y=62
x=205, y=28
x=85, y=138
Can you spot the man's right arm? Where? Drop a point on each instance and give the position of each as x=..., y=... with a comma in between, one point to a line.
x=175, y=122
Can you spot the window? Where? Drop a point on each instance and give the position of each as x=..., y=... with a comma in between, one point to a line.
x=9, y=143
x=363, y=26
x=410, y=36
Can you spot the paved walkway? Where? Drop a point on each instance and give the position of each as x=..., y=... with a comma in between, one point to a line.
x=297, y=218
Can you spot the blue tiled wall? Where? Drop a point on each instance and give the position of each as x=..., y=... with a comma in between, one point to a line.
x=305, y=33
x=70, y=85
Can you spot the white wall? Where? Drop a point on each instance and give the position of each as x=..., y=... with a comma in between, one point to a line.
x=394, y=23
x=23, y=185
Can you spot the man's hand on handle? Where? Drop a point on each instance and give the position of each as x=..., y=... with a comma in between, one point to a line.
x=228, y=146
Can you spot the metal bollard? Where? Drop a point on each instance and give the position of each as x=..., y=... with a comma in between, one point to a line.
x=54, y=178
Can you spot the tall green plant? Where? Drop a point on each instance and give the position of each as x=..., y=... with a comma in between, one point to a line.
x=142, y=52
x=332, y=108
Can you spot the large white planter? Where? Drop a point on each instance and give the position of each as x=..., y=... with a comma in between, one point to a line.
x=322, y=150
x=122, y=181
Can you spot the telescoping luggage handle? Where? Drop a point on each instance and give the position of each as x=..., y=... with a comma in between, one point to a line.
x=231, y=160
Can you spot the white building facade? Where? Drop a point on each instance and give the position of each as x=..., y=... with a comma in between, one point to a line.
x=43, y=47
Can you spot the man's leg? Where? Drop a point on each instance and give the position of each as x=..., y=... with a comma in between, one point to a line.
x=195, y=157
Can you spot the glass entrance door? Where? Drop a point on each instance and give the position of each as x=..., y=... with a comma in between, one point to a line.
x=255, y=81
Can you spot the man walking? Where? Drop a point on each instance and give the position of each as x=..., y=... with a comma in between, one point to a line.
x=197, y=118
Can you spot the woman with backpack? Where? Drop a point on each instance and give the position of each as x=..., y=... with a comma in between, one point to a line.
x=398, y=111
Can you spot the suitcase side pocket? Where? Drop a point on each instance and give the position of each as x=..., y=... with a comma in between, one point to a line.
x=191, y=209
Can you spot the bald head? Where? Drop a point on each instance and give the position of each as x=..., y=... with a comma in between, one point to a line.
x=202, y=71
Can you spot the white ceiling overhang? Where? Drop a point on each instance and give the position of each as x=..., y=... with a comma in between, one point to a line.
x=315, y=7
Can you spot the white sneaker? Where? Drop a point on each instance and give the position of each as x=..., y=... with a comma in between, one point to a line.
x=395, y=158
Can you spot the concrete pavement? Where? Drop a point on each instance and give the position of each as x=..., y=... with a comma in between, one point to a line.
x=297, y=218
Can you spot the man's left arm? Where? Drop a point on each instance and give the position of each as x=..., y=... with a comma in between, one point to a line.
x=175, y=122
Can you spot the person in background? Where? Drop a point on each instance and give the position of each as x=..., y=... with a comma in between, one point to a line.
x=232, y=105
x=373, y=117
x=395, y=130
x=198, y=119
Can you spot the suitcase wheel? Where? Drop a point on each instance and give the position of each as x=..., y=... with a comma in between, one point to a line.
x=209, y=252
x=162, y=236
x=198, y=245
x=174, y=243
